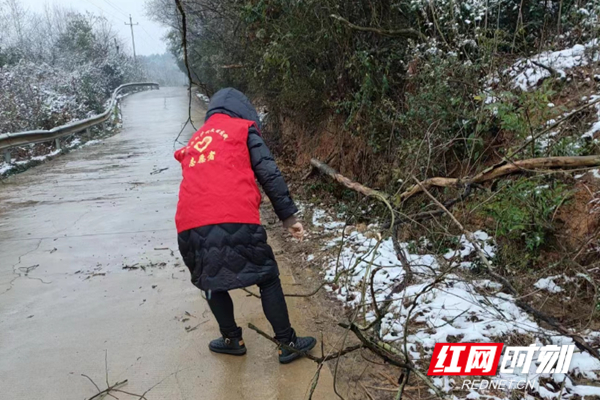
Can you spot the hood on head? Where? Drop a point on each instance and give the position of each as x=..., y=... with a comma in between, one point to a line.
x=234, y=103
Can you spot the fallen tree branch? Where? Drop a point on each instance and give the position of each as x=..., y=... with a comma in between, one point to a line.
x=427, y=215
x=350, y=184
x=408, y=33
x=381, y=196
x=318, y=360
x=507, y=169
x=184, y=45
x=507, y=166
x=390, y=355
x=537, y=314
x=109, y=389
x=115, y=388
x=509, y=158
x=374, y=347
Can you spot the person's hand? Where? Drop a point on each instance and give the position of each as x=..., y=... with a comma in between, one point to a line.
x=294, y=227
x=297, y=231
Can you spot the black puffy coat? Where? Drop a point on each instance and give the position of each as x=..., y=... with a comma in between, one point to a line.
x=228, y=256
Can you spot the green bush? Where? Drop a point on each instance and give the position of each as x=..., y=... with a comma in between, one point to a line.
x=523, y=211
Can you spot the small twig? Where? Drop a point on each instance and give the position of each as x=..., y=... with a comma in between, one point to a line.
x=106, y=367
x=91, y=380
x=318, y=360
x=108, y=390
x=552, y=71
x=251, y=293
x=390, y=355
x=389, y=379
x=427, y=215
x=190, y=329
x=369, y=395
x=232, y=66
x=403, y=386
x=315, y=381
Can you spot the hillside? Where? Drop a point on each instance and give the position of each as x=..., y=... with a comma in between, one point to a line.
x=476, y=124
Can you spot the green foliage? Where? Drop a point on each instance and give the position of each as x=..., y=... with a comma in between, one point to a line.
x=569, y=146
x=523, y=113
x=442, y=102
x=400, y=74
x=522, y=210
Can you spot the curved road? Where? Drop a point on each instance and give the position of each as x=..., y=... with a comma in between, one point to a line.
x=89, y=269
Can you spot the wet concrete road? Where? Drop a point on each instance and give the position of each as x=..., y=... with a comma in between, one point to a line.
x=67, y=230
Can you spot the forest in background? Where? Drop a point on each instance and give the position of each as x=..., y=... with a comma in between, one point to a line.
x=57, y=66
x=63, y=65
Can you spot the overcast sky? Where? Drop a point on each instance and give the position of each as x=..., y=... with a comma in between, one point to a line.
x=148, y=34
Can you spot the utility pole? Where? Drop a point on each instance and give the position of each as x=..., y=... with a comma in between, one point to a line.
x=131, y=24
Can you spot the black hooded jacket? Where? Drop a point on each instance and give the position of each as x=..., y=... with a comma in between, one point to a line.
x=228, y=256
x=234, y=103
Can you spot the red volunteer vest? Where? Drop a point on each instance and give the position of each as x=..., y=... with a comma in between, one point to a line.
x=218, y=181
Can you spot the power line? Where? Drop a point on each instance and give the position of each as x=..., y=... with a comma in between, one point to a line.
x=118, y=9
x=148, y=33
x=114, y=17
x=146, y=41
x=117, y=18
x=100, y=8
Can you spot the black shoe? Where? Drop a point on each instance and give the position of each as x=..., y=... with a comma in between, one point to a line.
x=229, y=344
x=302, y=344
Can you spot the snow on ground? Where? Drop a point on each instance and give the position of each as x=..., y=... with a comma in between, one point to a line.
x=322, y=219
x=92, y=142
x=5, y=167
x=548, y=285
x=440, y=304
x=203, y=97
x=40, y=158
x=595, y=173
x=527, y=73
x=596, y=125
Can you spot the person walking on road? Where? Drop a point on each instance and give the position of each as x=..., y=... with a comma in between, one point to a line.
x=220, y=236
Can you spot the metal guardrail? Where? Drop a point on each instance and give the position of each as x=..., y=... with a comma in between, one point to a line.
x=10, y=140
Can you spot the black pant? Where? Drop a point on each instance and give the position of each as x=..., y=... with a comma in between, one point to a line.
x=273, y=303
